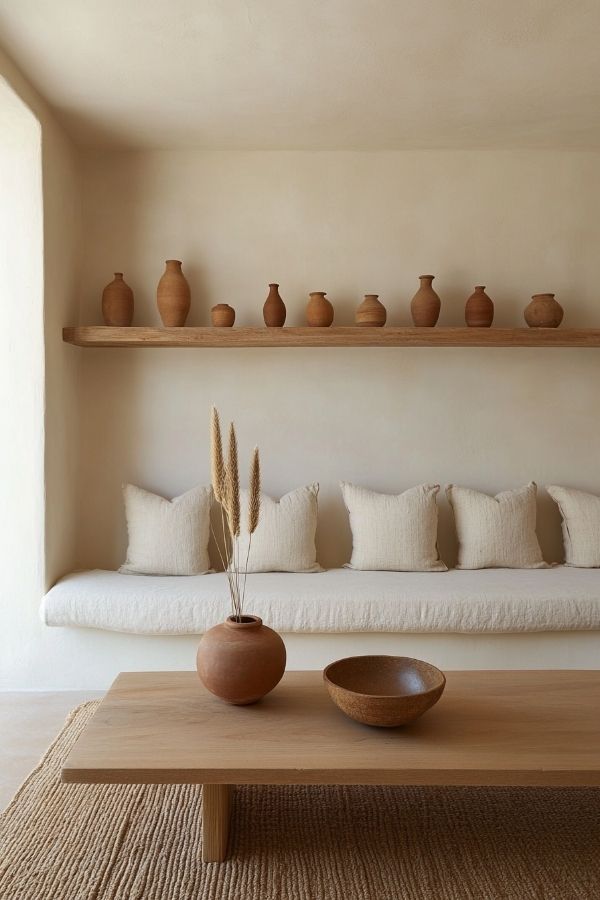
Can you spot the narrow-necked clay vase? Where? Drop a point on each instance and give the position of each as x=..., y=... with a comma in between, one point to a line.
x=222, y=315
x=117, y=302
x=425, y=306
x=319, y=312
x=479, y=309
x=173, y=295
x=241, y=661
x=371, y=311
x=544, y=312
x=274, y=308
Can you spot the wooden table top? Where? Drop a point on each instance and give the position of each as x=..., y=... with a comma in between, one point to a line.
x=489, y=728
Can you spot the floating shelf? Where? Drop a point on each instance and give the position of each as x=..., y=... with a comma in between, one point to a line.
x=346, y=336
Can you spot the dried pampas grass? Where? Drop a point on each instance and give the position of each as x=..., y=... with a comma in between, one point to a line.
x=254, y=500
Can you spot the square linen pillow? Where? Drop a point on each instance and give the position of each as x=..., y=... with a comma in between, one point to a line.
x=496, y=532
x=580, y=513
x=394, y=532
x=167, y=537
x=284, y=540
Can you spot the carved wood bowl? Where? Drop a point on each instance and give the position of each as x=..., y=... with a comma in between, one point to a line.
x=383, y=690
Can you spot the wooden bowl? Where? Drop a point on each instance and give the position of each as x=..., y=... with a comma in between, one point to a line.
x=383, y=690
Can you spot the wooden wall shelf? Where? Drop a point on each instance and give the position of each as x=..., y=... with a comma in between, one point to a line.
x=346, y=336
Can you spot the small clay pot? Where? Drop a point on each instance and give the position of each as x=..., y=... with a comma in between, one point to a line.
x=425, y=306
x=222, y=315
x=479, y=309
x=544, y=312
x=173, y=295
x=319, y=312
x=117, y=302
x=241, y=661
x=371, y=311
x=274, y=308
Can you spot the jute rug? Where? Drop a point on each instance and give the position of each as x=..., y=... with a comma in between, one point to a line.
x=81, y=842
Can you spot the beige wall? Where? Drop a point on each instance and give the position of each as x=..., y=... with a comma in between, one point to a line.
x=348, y=223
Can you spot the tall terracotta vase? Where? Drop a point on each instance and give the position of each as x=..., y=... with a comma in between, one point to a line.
x=117, y=302
x=319, y=312
x=371, y=311
x=173, y=295
x=274, y=308
x=544, y=312
x=479, y=309
x=425, y=306
x=241, y=661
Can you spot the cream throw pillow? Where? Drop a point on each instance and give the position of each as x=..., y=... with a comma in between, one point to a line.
x=580, y=513
x=167, y=537
x=496, y=532
x=394, y=532
x=284, y=540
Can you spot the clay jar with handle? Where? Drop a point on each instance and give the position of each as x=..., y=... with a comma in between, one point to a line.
x=274, y=308
x=173, y=295
x=319, y=312
x=425, y=306
x=222, y=315
x=544, y=312
x=241, y=661
x=479, y=309
x=117, y=302
x=371, y=311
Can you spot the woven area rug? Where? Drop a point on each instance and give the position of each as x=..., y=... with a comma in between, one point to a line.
x=81, y=842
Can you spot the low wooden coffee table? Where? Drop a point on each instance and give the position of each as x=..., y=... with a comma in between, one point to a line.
x=489, y=728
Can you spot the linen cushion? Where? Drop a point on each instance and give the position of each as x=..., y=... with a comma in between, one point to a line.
x=284, y=540
x=496, y=531
x=167, y=537
x=580, y=513
x=394, y=532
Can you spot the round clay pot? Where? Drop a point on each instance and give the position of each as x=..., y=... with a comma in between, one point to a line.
x=544, y=312
x=319, y=312
x=241, y=661
x=425, y=306
x=173, y=295
x=479, y=309
x=222, y=315
x=274, y=308
x=371, y=311
x=117, y=302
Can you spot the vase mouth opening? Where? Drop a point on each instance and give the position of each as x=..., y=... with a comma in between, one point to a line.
x=118, y=274
x=427, y=276
x=243, y=621
x=176, y=262
x=317, y=293
x=480, y=287
x=273, y=284
x=376, y=296
x=533, y=296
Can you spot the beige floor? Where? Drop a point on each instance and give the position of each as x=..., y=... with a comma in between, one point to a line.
x=28, y=723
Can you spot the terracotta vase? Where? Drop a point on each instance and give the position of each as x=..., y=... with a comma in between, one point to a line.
x=371, y=311
x=544, y=312
x=319, y=312
x=173, y=295
x=274, y=308
x=241, y=661
x=222, y=315
x=117, y=302
x=425, y=306
x=479, y=309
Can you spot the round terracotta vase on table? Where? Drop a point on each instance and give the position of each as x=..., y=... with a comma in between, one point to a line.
x=241, y=661
x=222, y=315
x=173, y=295
x=544, y=312
x=371, y=312
x=425, y=306
x=117, y=302
x=479, y=309
x=319, y=312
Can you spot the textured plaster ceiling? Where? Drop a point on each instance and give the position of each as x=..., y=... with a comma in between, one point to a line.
x=314, y=74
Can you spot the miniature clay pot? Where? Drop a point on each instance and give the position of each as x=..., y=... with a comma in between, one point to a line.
x=241, y=661
x=425, y=306
x=173, y=295
x=544, y=312
x=274, y=308
x=479, y=309
x=371, y=311
x=222, y=315
x=117, y=302
x=319, y=312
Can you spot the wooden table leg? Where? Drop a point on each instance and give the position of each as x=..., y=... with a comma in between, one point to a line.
x=216, y=810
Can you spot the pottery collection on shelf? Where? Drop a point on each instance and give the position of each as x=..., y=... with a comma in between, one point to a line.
x=117, y=303
x=425, y=306
x=222, y=315
x=319, y=312
x=371, y=312
x=274, y=309
x=479, y=309
x=241, y=661
x=173, y=295
x=544, y=312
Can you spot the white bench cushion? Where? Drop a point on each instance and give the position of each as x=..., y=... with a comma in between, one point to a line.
x=338, y=600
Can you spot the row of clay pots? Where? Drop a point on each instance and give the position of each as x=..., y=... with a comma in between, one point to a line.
x=173, y=300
